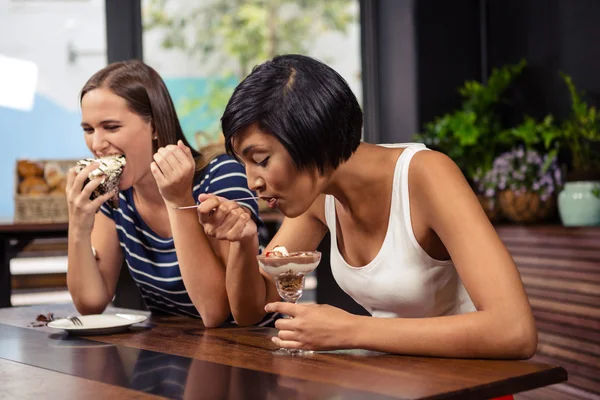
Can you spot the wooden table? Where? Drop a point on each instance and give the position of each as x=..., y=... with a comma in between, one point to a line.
x=177, y=357
x=13, y=238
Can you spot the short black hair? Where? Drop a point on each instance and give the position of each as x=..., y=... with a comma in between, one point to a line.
x=307, y=105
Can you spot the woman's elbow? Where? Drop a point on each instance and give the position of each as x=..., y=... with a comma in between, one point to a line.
x=213, y=319
x=212, y=323
x=248, y=320
x=524, y=340
x=529, y=344
x=88, y=304
x=89, y=307
x=248, y=317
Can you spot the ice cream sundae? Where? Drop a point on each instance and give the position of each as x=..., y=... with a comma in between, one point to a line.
x=289, y=269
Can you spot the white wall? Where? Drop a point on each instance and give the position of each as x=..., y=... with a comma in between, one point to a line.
x=40, y=32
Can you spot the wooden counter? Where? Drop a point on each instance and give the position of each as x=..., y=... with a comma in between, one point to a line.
x=560, y=268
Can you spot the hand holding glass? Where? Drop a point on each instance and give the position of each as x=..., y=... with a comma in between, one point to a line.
x=289, y=272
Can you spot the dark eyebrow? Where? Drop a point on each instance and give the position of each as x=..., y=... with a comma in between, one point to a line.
x=248, y=149
x=106, y=121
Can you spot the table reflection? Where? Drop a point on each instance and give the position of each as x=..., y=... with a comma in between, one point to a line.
x=161, y=374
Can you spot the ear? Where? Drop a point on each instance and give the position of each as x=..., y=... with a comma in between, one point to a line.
x=154, y=134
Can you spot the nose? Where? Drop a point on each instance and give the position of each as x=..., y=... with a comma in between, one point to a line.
x=255, y=182
x=99, y=143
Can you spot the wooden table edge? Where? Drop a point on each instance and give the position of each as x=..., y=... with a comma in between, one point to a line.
x=556, y=374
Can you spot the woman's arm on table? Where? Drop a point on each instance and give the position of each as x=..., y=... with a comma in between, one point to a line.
x=248, y=287
x=201, y=262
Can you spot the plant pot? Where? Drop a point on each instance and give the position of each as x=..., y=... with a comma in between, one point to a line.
x=491, y=207
x=577, y=205
x=525, y=208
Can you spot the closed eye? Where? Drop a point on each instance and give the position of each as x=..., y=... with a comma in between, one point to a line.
x=111, y=128
x=263, y=163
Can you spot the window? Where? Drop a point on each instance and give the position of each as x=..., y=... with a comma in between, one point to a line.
x=203, y=48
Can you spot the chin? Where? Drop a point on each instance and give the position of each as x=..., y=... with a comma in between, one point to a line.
x=292, y=212
x=125, y=182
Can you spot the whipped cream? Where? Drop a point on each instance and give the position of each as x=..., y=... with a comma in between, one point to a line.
x=282, y=250
x=288, y=268
x=110, y=166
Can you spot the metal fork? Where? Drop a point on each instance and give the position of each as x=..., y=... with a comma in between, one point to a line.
x=75, y=321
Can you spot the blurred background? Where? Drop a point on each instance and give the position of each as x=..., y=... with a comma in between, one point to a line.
x=506, y=88
x=202, y=49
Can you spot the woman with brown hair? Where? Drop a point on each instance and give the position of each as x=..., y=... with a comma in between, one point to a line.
x=127, y=110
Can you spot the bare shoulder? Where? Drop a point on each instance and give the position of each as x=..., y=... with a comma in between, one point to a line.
x=442, y=194
x=439, y=187
x=434, y=170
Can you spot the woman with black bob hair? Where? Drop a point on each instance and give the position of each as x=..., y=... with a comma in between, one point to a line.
x=409, y=239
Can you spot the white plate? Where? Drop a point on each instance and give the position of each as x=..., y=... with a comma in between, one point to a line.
x=99, y=324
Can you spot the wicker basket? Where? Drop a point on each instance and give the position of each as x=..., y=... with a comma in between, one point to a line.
x=42, y=208
x=526, y=208
x=491, y=207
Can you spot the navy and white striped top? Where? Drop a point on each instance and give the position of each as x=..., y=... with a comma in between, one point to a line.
x=151, y=259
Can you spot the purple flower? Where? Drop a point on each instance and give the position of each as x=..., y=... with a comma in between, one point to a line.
x=533, y=158
x=518, y=176
x=521, y=171
x=519, y=153
x=558, y=176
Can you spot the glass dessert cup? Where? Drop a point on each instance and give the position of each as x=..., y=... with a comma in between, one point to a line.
x=289, y=272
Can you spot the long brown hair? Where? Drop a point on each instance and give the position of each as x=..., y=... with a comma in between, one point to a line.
x=147, y=96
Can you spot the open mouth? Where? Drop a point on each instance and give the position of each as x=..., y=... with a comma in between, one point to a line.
x=271, y=201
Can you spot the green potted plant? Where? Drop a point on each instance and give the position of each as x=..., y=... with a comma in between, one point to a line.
x=533, y=134
x=471, y=135
x=579, y=201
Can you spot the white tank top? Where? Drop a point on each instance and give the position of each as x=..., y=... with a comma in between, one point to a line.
x=402, y=280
